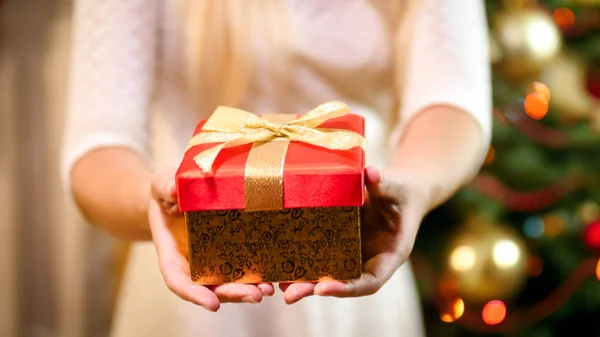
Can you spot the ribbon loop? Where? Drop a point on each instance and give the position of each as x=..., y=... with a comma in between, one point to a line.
x=235, y=127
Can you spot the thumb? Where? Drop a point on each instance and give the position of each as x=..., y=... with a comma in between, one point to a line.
x=372, y=175
x=387, y=185
x=163, y=185
x=372, y=179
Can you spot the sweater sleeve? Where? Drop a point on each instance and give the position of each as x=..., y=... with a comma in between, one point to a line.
x=111, y=80
x=448, y=62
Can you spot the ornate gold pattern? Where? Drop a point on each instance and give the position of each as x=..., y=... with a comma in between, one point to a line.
x=304, y=244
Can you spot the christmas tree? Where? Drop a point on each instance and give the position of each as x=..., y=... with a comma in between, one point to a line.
x=521, y=244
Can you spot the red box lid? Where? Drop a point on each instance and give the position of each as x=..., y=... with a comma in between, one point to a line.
x=313, y=176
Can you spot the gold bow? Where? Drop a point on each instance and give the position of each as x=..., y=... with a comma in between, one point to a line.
x=271, y=135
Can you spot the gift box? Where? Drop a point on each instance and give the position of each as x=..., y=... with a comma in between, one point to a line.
x=274, y=198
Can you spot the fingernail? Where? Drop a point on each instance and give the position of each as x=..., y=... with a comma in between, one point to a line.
x=248, y=299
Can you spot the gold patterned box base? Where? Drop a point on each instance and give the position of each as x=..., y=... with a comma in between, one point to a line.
x=291, y=245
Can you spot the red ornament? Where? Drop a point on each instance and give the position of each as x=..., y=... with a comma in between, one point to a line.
x=592, y=235
x=593, y=82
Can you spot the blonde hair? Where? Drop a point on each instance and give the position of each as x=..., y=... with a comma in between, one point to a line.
x=218, y=37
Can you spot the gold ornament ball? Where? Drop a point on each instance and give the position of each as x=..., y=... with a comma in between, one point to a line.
x=486, y=261
x=566, y=77
x=528, y=40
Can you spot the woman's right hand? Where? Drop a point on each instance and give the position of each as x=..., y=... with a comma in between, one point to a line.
x=169, y=234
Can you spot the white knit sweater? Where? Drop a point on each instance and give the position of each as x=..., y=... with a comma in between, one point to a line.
x=342, y=48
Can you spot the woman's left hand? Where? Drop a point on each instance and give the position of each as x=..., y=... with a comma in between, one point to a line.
x=394, y=207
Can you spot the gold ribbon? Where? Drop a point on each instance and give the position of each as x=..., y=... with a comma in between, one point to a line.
x=271, y=135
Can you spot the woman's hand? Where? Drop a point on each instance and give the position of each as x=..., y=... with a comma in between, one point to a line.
x=169, y=234
x=394, y=208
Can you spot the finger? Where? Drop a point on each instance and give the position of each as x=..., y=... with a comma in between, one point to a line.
x=180, y=283
x=170, y=208
x=382, y=185
x=380, y=268
x=379, y=187
x=267, y=289
x=377, y=271
x=163, y=185
x=380, y=214
x=238, y=293
x=174, y=267
x=372, y=213
x=297, y=291
x=372, y=175
x=388, y=216
x=387, y=200
x=373, y=181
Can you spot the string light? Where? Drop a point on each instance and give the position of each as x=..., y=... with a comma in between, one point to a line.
x=494, y=312
x=454, y=311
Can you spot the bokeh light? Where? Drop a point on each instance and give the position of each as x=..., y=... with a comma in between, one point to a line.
x=541, y=37
x=454, y=311
x=535, y=266
x=554, y=225
x=494, y=312
x=506, y=253
x=564, y=17
x=536, y=105
x=533, y=227
x=462, y=258
x=592, y=235
x=542, y=89
x=589, y=212
x=598, y=270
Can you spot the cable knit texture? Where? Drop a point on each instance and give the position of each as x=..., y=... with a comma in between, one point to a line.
x=341, y=51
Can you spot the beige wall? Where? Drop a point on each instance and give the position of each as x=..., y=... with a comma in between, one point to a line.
x=49, y=258
x=8, y=267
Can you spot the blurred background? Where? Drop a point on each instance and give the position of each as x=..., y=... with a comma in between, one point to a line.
x=519, y=254
x=58, y=276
